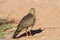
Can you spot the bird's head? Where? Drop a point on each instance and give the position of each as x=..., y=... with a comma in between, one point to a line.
x=32, y=10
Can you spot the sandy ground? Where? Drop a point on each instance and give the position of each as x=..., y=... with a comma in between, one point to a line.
x=47, y=16
x=47, y=34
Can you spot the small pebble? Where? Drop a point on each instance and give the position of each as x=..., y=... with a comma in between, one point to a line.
x=43, y=37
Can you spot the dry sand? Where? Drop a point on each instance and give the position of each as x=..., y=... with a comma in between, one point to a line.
x=47, y=16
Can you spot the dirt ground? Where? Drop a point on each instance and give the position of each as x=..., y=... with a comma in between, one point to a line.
x=47, y=17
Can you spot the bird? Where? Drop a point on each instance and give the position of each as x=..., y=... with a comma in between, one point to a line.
x=26, y=22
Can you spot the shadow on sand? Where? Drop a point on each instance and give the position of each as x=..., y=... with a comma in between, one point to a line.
x=32, y=31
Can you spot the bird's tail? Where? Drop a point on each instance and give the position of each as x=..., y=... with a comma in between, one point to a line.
x=16, y=33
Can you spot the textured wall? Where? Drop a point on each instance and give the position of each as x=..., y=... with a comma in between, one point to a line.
x=47, y=11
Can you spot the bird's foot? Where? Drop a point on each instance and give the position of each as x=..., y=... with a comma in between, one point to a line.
x=27, y=36
x=31, y=36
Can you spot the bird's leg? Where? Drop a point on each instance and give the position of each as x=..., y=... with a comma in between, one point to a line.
x=30, y=31
x=26, y=33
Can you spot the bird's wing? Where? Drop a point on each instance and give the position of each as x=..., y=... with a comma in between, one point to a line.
x=28, y=22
